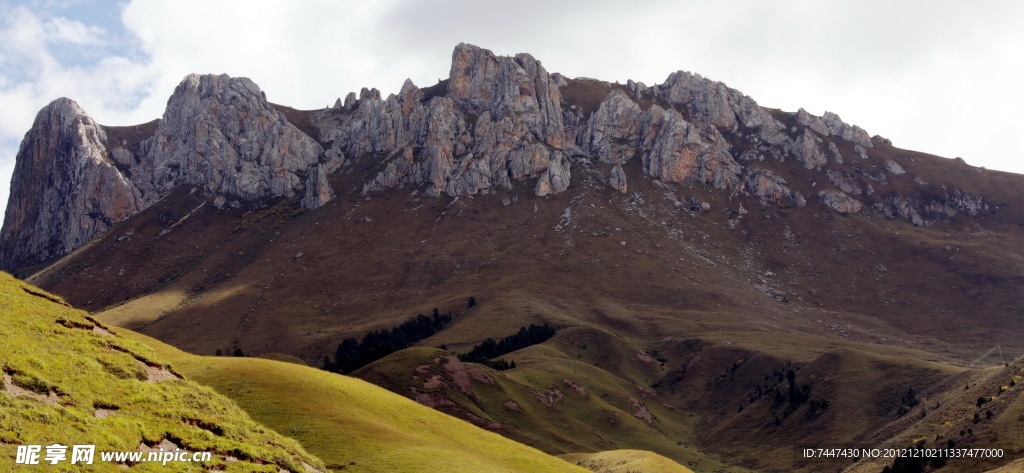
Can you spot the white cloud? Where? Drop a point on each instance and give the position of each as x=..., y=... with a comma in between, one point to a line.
x=74, y=32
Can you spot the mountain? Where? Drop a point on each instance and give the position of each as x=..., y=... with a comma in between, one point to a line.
x=728, y=281
x=495, y=121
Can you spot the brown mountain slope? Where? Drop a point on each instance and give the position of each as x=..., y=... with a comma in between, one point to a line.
x=781, y=286
x=280, y=280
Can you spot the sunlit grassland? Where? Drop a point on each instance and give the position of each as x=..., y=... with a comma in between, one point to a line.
x=356, y=425
x=626, y=461
x=69, y=382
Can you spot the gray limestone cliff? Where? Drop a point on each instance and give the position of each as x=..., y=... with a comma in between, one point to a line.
x=497, y=123
x=220, y=133
x=65, y=189
x=71, y=183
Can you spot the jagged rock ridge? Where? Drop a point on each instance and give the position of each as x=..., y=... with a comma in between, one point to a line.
x=72, y=183
x=496, y=121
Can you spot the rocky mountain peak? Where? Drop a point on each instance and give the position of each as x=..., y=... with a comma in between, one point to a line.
x=498, y=121
x=220, y=133
x=517, y=87
x=65, y=188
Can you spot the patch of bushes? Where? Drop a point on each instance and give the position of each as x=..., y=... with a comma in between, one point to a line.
x=353, y=354
x=781, y=386
x=491, y=348
x=907, y=402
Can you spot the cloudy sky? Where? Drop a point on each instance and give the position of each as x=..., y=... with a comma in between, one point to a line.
x=944, y=77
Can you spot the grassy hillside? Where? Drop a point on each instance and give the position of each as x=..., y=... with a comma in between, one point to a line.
x=68, y=380
x=626, y=461
x=555, y=400
x=717, y=407
x=353, y=425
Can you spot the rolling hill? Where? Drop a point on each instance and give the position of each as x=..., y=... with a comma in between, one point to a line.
x=68, y=380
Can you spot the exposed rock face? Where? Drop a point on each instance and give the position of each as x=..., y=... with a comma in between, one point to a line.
x=894, y=168
x=318, y=190
x=845, y=182
x=840, y=202
x=807, y=151
x=770, y=187
x=618, y=179
x=860, y=151
x=925, y=211
x=65, y=189
x=220, y=133
x=714, y=102
x=675, y=151
x=670, y=148
x=830, y=124
x=613, y=131
x=834, y=153
x=508, y=87
x=501, y=122
x=836, y=127
x=804, y=118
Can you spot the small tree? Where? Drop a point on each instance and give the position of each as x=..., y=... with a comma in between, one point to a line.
x=470, y=302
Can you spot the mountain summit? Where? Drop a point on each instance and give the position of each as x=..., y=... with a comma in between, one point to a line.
x=494, y=122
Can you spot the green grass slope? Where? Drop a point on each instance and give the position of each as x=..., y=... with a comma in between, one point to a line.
x=626, y=461
x=70, y=381
x=353, y=425
x=553, y=400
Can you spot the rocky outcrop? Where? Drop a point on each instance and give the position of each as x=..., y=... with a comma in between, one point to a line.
x=221, y=134
x=834, y=153
x=803, y=117
x=612, y=134
x=769, y=187
x=218, y=133
x=840, y=202
x=714, y=102
x=670, y=148
x=318, y=189
x=675, y=151
x=837, y=127
x=860, y=151
x=806, y=150
x=921, y=211
x=894, y=168
x=618, y=179
x=65, y=189
x=844, y=181
x=830, y=124
x=517, y=87
x=500, y=122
